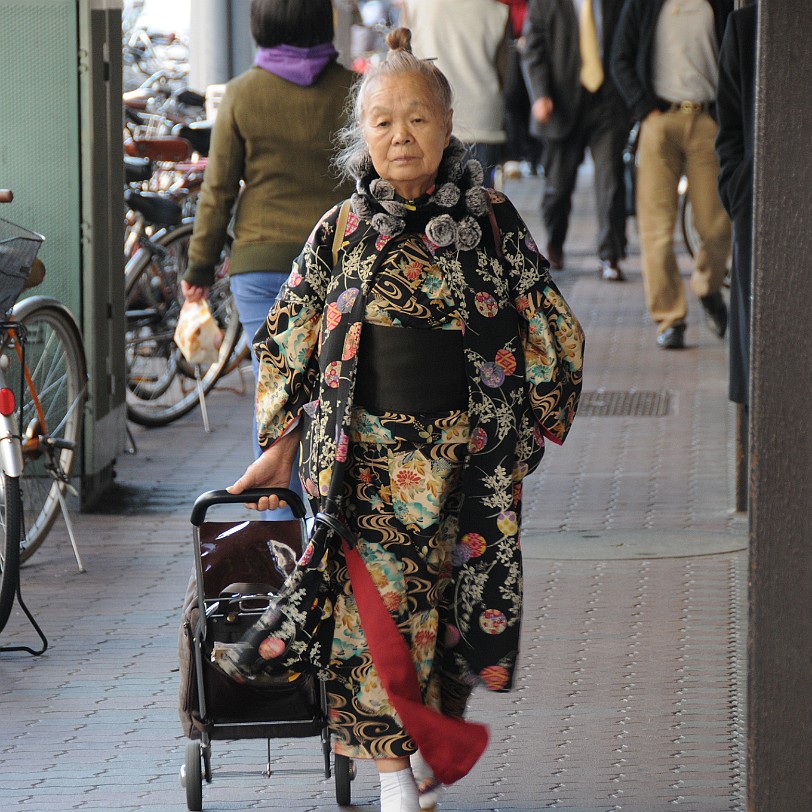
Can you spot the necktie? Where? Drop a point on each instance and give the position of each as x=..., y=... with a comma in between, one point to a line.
x=591, y=65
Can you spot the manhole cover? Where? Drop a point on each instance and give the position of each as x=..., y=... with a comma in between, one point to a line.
x=625, y=404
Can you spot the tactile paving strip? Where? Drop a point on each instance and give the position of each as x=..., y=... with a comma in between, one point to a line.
x=629, y=696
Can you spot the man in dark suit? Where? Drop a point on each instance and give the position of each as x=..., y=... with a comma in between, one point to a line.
x=735, y=106
x=576, y=105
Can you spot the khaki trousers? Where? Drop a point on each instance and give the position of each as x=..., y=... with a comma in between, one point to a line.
x=672, y=143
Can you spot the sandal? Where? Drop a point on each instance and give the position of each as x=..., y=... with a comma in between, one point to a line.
x=429, y=792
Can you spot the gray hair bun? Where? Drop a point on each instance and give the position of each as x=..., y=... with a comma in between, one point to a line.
x=399, y=39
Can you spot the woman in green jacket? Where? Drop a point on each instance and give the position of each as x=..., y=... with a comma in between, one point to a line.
x=270, y=155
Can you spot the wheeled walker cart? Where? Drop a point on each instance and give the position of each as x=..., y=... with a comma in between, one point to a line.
x=238, y=567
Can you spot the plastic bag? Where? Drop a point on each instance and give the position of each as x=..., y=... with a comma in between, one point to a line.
x=197, y=334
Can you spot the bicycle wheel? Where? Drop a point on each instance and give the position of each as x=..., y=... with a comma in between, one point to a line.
x=53, y=405
x=690, y=235
x=9, y=544
x=161, y=385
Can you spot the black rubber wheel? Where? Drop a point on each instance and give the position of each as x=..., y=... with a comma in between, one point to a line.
x=51, y=421
x=344, y=773
x=193, y=777
x=10, y=529
x=690, y=235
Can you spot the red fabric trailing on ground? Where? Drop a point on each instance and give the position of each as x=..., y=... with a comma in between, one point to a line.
x=450, y=746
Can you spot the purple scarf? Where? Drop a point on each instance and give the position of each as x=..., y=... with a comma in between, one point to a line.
x=302, y=66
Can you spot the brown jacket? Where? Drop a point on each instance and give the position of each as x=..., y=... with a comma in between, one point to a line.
x=277, y=136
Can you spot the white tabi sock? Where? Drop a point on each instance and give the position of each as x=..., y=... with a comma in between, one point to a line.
x=399, y=792
x=430, y=788
x=420, y=767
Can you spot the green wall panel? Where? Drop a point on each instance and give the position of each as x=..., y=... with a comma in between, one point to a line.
x=60, y=151
x=39, y=134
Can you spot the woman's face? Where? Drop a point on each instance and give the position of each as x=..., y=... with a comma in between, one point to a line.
x=405, y=132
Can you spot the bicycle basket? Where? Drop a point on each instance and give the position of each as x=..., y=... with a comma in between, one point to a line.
x=18, y=250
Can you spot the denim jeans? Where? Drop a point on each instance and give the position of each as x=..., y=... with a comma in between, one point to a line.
x=254, y=294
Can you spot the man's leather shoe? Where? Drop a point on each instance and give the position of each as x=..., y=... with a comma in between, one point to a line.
x=610, y=271
x=672, y=338
x=715, y=312
x=555, y=254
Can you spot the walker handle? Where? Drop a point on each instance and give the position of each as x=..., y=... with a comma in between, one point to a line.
x=223, y=497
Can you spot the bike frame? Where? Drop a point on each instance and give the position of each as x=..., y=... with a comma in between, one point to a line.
x=11, y=451
x=30, y=446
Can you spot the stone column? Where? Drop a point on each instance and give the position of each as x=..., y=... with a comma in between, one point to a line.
x=780, y=634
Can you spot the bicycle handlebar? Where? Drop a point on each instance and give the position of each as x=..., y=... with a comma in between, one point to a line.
x=6, y=195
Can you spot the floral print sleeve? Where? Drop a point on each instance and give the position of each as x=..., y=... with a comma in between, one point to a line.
x=552, y=337
x=287, y=345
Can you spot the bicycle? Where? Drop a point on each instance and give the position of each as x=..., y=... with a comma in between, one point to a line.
x=150, y=52
x=162, y=386
x=42, y=358
x=41, y=350
x=159, y=104
x=17, y=253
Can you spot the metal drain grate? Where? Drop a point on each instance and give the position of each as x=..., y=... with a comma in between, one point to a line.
x=625, y=404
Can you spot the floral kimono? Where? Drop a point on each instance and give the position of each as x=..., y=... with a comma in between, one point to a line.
x=435, y=500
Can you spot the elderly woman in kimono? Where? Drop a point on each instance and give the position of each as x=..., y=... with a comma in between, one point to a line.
x=421, y=357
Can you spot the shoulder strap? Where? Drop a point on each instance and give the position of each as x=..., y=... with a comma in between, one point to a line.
x=341, y=227
x=497, y=235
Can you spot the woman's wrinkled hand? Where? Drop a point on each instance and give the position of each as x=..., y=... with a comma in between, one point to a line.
x=272, y=469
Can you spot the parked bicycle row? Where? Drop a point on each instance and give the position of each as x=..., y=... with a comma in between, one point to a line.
x=166, y=146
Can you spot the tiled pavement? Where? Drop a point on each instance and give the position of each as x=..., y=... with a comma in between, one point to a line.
x=630, y=694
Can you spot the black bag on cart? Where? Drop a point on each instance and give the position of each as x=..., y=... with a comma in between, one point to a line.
x=295, y=632
x=243, y=566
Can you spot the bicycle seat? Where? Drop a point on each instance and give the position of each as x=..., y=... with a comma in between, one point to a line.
x=137, y=99
x=159, y=148
x=197, y=133
x=137, y=170
x=191, y=98
x=157, y=209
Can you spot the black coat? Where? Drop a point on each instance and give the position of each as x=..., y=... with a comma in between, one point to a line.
x=552, y=62
x=735, y=106
x=633, y=47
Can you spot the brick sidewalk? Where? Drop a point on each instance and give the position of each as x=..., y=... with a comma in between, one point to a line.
x=630, y=694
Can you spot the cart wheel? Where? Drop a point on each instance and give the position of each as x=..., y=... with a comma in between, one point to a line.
x=344, y=773
x=192, y=777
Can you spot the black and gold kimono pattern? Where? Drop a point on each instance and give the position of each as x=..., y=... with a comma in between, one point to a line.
x=523, y=353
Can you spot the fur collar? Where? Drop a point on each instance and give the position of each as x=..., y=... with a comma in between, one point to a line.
x=448, y=215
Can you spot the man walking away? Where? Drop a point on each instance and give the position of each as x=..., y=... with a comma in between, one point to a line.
x=469, y=41
x=664, y=60
x=576, y=105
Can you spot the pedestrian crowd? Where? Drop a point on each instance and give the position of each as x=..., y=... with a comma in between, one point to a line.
x=537, y=83
x=413, y=254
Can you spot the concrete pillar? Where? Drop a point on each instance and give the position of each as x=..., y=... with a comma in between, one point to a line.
x=243, y=48
x=344, y=10
x=780, y=635
x=220, y=44
x=209, y=59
